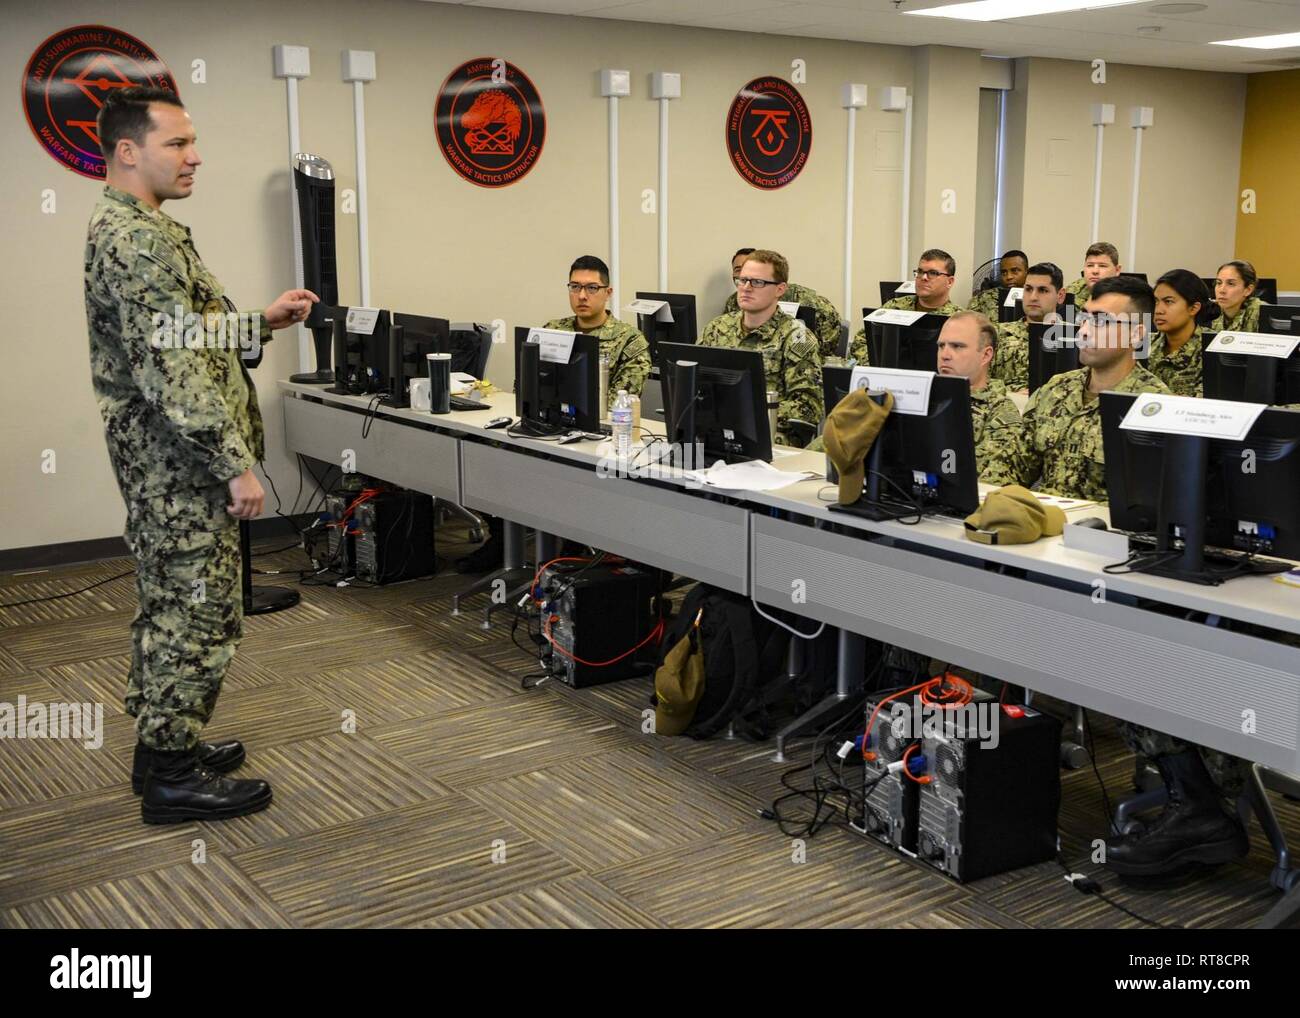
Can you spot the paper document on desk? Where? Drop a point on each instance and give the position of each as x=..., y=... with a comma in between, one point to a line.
x=1064, y=504
x=462, y=382
x=752, y=475
x=1291, y=578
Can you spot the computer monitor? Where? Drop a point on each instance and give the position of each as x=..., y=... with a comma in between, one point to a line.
x=807, y=314
x=374, y=373
x=681, y=329
x=1189, y=495
x=411, y=339
x=917, y=463
x=551, y=397
x=1249, y=378
x=1012, y=312
x=1044, y=360
x=716, y=397
x=1135, y=275
x=889, y=290
x=1279, y=319
x=914, y=347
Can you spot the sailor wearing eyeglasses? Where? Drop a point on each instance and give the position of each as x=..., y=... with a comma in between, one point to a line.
x=935, y=273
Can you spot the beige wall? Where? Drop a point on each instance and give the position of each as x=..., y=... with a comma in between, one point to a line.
x=445, y=247
x=1189, y=164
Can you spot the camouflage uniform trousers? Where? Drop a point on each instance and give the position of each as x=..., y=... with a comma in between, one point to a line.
x=190, y=617
x=1228, y=772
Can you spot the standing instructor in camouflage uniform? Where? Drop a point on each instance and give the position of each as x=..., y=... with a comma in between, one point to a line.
x=183, y=432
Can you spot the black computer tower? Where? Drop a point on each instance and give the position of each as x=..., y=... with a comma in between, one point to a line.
x=394, y=537
x=991, y=808
x=598, y=613
x=890, y=811
x=341, y=543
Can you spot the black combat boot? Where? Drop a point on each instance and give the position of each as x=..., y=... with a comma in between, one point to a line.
x=222, y=757
x=1192, y=829
x=179, y=788
x=488, y=556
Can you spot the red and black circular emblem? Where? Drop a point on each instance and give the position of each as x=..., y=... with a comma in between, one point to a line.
x=490, y=122
x=769, y=133
x=69, y=77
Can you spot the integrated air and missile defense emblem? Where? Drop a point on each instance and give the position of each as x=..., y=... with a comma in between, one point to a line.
x=67, y=80
x=490, y=122
x=769, y=133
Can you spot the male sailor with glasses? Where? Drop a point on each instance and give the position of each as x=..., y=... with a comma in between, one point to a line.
x=628, y=351
x=935, y=273
x=791, y=364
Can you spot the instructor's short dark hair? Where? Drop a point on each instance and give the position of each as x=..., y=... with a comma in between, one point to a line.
x=125, y=114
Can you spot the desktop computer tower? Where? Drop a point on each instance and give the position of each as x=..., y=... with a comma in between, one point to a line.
x=990, y=808
x=394, y=537
x=890, y=811
x=599, y=612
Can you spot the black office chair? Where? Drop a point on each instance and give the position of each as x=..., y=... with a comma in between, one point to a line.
x=888, y=291
x=842, y=347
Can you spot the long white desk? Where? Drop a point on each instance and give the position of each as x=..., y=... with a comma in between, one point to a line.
x=1030, y=614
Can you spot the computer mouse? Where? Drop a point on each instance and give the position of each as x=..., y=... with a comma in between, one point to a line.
x=498, y=422
x=1095, y=522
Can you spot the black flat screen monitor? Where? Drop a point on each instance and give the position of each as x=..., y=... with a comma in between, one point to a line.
x=914, y=347
x=1190, y=495
x=1250, y=378
x=1052, y=350
x=682, y=329
x=715, y=398
x=420, y=336
x=552, y=397
x=917, y=463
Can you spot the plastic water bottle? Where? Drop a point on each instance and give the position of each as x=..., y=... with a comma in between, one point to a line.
x=621, y=418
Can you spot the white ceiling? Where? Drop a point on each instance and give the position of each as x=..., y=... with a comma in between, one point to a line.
x=1109, y=34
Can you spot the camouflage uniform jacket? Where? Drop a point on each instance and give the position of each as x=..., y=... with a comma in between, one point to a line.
x=907, y=302
x=986, y=303
x=628, y=351
x=1011, y=359
x=791, y=363
x=997, y=426
x=826, y=316
x=1081, y=290
x=1180, y=370
x=1245, y=320
x=1059, y=447
x=178, y=419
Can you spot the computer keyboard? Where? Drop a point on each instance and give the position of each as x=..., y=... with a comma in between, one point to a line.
x=461, y=403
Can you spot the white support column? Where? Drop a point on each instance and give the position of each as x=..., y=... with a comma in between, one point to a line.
x=1142, y=118
x=1103, y=114
x=358, y=68
x=614, y=84
x=854, y=98
x=292, y=63
x=664, y=87
x=895, y=99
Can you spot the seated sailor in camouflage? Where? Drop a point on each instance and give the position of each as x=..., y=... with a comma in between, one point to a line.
x=935, y=273
x=1182, y=305
x=628, y=351
x=1012, y=267
x=184, y=431
x=827, y=318
x=1060, y=449
x=1235, y=302
x=791, y=364
x=1100, y=261
x=1044, y=296
x=967, y=346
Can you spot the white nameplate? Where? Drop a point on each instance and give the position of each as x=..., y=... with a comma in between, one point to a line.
x=556, y=345
x=1014, y=294
x=658, y=308
x=894, y=316
x=1188, y=415
x=1259, y=343
x=361, y=321
x=911, y=389
x=790, y=307
x=908, y=287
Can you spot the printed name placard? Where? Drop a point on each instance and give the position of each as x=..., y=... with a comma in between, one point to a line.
x=361, y=321
x=1014, y=294
x=556, y=345
x=894, y=316
x=1188, y=415
x=659, y=308
x=790, y=307
x=1259, y=344
x=911, y=389
x=907, y=287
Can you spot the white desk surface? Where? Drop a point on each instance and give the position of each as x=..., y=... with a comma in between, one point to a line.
x=1255, y=599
